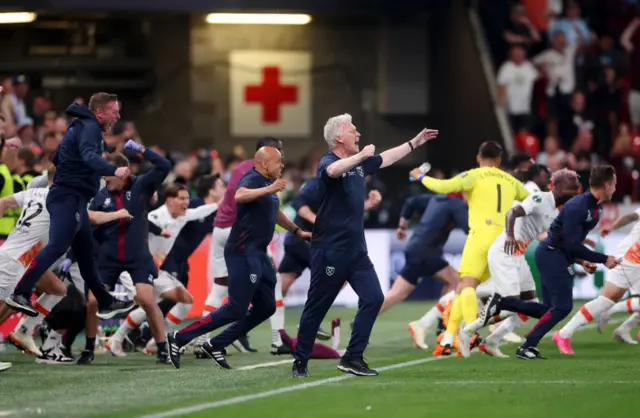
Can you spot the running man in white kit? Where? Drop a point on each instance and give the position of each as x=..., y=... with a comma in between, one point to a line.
x=510, y=273
x=619, y=280
x=171, y=218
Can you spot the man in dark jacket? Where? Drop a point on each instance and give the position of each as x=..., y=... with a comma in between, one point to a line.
x=123, y=245
x=79, y=167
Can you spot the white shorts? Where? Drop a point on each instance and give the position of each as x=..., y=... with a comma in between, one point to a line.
x=127, y=285
x=164, y=283
x=219, y=240
x=625, y=276
x=511, y=274
x=11, y=271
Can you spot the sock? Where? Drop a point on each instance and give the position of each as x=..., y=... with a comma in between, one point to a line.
x=469, y=304
x=507, y=326
x=585, y=315
x=215, y=299
x=630, y=305
x=162, y=348
x=454, y=322
x=277, y=319
x=90, y=344
x=176, y=315
x=630, y=323
x=134, y=319
x=52, y=340
x=435, y=313
x=44, y=304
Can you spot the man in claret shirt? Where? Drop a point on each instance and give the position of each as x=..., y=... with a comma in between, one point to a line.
x=221, y=228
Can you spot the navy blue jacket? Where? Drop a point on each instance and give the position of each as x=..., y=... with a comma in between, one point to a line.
x=78, y=160
x=440, y=215
x=574, y=222
x=122, y=241
x=309, y=196
x=188, y=240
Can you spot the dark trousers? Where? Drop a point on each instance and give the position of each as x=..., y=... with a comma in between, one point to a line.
x=556, y=275
x=252, y=280
x=330, y=269
x=70, y=228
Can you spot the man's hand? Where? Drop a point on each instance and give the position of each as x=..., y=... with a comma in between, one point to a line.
x=510, y=245
x=133, y=145
x=373, y=201
x=123, y=173
x=278, y=186
x=303, y=235
x=605, y=231
x=612, y=262
x=14, y=143
x=401, y=233
x=415, y=173
x=424, y=136
x=166, y=233
x=589, y=267
x=124, y=214
x=589, y=242
x=368, y=151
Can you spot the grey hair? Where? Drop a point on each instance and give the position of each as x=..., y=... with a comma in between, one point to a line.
x=333, y=128
x=564, y=175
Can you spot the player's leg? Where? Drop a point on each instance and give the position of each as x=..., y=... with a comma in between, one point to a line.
x=63, y=210
x=329, y=271
x=244, y=272
x=630, y=305
x=22, y=336
x=111, y=274
x=623, y=332
x=82, y=248
x=609, y=295
x=364, y=281
x=220, y=289
x=263, y=305
x=557, y=279
x=277, y=319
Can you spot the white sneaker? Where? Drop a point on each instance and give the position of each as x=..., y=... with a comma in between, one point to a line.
x=4, y=366
x=151, y=347
x=418, y=335
x=464, y=343
x=25, y=342
x=492, y=349
x=54, y=356
x=623, y=336
x=114, y=346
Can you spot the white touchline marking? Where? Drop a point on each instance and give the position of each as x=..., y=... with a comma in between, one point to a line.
x=303, y=386
x=536, y=382
x=267, y=364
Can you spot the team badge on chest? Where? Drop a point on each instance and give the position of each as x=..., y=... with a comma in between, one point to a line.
x=330, y=270
x=359, y=170
x=128, y=195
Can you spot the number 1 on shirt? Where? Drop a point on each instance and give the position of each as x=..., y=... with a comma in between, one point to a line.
x=499, y=198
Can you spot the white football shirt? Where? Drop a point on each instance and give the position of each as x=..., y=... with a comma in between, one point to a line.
x=160, y=246
x=31, y=233
x=540, y=211
x=531, y=187
x=629, y=248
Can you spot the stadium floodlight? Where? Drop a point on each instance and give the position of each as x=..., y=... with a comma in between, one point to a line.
x=17, y=17
x=258, y=18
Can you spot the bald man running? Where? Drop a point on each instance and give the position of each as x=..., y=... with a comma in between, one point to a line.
x=252, y=277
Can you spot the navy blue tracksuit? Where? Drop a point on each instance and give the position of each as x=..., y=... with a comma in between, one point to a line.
x=555, y=257
x=123, y=245
x=252, y=276
x=440, y=215
x=338, y=255
x=79, y=167
x=296, y=251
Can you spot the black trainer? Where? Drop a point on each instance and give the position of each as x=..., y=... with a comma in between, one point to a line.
x=299, y=369
x=117, y=307
x=491, y=309
x=86, y=357
x=22, y=304
x=322, y=335
x=216, y=355
x=280, y=350
x=243, y=346
x=529, y=353
x=174, y=350
x=441, y=328
x=163, y=358
x=356, y=366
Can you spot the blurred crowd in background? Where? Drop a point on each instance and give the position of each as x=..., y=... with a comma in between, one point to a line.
x=568, y=76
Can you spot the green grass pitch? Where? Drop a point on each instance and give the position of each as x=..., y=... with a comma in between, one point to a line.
x=600, y=381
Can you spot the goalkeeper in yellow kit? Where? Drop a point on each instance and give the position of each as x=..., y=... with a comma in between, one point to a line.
x=490, y=194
